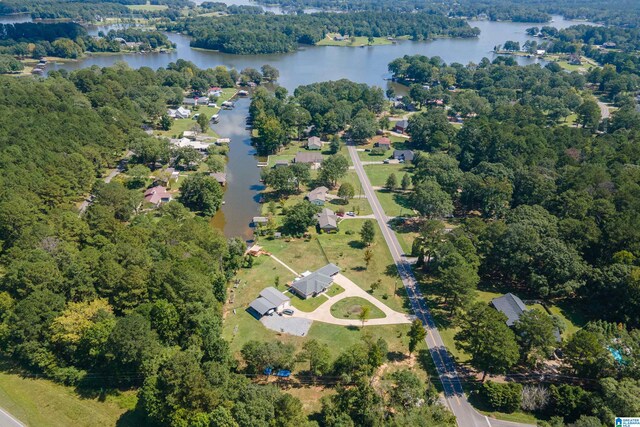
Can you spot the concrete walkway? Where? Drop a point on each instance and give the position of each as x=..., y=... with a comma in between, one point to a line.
x=323, y=312
x=284, y=265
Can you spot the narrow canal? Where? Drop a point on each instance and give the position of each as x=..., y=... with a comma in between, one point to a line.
x=243, y=188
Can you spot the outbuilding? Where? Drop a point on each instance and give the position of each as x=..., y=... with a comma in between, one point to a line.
x=270, y=301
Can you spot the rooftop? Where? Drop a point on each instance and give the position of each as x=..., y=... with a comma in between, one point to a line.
x=511, y=306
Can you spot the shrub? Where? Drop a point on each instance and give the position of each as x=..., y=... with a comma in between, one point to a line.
x=502, y=397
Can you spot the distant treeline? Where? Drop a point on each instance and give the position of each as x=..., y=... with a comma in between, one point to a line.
x=86, y=10
x=254, y=34
x=70, y=40
x=625, y=12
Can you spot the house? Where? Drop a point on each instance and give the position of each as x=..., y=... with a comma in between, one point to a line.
x=157, y=195
x=270, y=300
x=313, y=159
x=259, y=220
x=214, y=91
x=315, y=283
x=180, y=113
x=511, y=306
x=317, y=196
x=174, y=174
x=243, y=93
x=401, y=126
x=327, y=220
x=403, y=155
x=220, y=177
x=384, y=143
x=540, y=52
x=190, y=101
x=281, y=164
x=609, y=45
x=221, y=141
x=186, y=142
x=314, y=143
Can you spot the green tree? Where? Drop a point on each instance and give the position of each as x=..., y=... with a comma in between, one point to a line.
x=392, y=182
x=416, y=335
x=429, y=199
x=203, y=121
x=458, y=279
x=503, y=397
x=165, y=122
x=270, y=73
x=201, y=193
x=138, y=176
x=318, y=356
x=333, y=168
x=406, y=182
x=485, y=336
x=299, y=218
x=367, y=232
x=586, y=354
x=365, y=312
x=589, y=114
x=130, y=344
x=535, y=331
x=346, y=191
x=407, y=391
x=363, y=126
x=368, y=256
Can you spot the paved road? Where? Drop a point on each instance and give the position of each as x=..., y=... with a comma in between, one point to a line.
x=119, y=169
x=605, y=113
x=466, y=415
x=7, y=420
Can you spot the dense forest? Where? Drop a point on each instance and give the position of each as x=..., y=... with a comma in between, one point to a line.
x=253, y=34
x=70, y=40
x=88, y=10
x=613, y=13
x=548, y=210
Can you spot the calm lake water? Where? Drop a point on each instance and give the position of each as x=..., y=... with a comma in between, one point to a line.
x=308, y=65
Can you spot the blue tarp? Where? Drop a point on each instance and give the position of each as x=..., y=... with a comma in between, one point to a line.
x=268, y=371
x=283, y=373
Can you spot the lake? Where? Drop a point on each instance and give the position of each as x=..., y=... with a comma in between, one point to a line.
x=307, y=65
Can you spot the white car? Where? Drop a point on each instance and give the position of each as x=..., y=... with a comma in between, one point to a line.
x=351, y=213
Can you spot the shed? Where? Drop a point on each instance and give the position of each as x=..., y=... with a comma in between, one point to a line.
x=401, y=126
x=270, y=300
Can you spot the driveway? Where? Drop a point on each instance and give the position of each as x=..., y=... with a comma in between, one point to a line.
x=323, y=312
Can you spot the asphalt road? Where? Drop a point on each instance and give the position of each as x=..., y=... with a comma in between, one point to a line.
x=466, y=415
x=6, y=420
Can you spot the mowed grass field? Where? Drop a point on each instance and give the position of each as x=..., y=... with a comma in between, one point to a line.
x=42, y=403
x=148, y=7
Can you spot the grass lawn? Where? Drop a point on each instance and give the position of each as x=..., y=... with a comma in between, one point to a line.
x=351, y=307
x=406, y=240
x=147, y=7
x=39, y=402
x=394, y=203
x=356, y=41
x=307, y=305
x=378, y=174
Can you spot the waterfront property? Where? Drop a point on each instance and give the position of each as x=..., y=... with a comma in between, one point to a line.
x=186, y=142
x=316, y=283
x=314, y=160
x=179, y=113
x=220, y=177
x=270, y=301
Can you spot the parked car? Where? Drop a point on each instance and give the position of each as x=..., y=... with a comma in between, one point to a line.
x=288, y=311
x=351, y=213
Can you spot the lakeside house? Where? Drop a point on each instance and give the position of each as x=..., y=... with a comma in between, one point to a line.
x=327, y=220
x=269, y=301
x=314, y=284
x=401, y=126
x=220, y=177
x=259, y=220
x=314, y=160
x=179, y=113
x=157, y=195
x=317, y=196
x=384, y=143
x=186, y=142
x=193, y=101
x=403, y=155
x=314, y=143
x=281, y=163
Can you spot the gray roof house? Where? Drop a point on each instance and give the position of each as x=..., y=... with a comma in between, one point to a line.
x=270, y=300
x=406, y=155
x=401, y=126
x=220, y=177
x=327, y=220
x=281, y=163
x=316, y=282
x=312, y=158
x=318, y=196
x=314, y=143
x=511, y=306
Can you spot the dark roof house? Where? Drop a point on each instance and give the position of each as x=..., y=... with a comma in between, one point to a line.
x=307, y=157
x=316, y=282
x=511, y=306
x=220, y=177
x=327, y=220
x=406, y=155
x=401, y=126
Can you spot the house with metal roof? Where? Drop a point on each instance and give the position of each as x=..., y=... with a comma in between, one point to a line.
x=312, y=158
x=270, y=301
x=315, y=283
x=403, y=155
x=314, y=143
x=511, y=306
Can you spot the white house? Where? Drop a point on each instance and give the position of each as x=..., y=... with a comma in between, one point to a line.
x=179, y=113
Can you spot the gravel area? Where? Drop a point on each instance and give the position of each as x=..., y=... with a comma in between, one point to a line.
x=287, y=325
